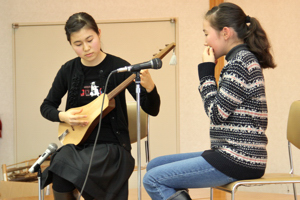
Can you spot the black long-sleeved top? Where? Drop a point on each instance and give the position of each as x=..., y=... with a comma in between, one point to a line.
x=70, y=78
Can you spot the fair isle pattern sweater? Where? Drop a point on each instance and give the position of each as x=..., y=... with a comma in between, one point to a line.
x=238, y=115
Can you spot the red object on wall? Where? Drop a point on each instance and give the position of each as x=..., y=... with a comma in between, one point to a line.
x=0, y=129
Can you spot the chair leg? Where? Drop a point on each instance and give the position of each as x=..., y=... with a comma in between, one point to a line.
x=211, y=194
x=295, y=192
x=232, y=195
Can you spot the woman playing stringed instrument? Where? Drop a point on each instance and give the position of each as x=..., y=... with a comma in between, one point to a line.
x=83, y=79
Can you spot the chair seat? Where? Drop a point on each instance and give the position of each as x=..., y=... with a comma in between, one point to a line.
x=272, y=178
x=142, y=168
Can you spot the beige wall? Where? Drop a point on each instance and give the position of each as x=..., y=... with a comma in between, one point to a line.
x=279, y=18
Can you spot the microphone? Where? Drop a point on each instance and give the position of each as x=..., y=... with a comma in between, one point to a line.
x=51, y=149
x=155, y=63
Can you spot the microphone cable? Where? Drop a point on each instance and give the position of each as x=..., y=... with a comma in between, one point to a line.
x=98, y=131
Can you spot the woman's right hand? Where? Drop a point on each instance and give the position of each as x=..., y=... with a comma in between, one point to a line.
x=73, y=117
x=208, y=55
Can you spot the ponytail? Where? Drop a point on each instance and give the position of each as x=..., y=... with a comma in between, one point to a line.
x=231, y=15
x=258, y=43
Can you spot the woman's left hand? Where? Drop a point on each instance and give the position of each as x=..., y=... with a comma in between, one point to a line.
x=146, y=80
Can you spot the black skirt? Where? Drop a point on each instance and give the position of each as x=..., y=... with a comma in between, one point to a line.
x=108, y=178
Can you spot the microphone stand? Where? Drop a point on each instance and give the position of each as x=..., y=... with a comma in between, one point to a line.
x=41, y=191
x=138, y=91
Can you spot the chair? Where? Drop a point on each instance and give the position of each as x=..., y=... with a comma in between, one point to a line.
x=293, y=137
x=144, y=127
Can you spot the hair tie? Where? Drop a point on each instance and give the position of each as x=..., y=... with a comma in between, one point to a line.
x=248, y=19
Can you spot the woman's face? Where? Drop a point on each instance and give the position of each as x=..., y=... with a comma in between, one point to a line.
x=214, y=39
x=86, y=44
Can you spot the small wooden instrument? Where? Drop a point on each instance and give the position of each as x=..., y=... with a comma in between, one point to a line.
x=68, y=134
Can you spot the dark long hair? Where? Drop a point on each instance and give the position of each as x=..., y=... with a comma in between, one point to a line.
x=231, y=15
x=79, y=20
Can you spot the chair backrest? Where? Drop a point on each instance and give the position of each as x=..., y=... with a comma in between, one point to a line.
x=132, y=122
x=293, y=126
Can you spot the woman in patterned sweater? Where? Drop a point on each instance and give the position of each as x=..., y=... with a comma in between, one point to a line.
x=237, y=109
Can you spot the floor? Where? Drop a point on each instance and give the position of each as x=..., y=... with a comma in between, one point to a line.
x=196, y=194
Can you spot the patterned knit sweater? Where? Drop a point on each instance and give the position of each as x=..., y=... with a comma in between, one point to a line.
x=238, y=115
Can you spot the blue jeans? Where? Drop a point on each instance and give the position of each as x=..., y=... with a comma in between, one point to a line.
x=167, y=174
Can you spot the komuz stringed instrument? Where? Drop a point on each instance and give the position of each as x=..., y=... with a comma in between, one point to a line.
x=68, y=134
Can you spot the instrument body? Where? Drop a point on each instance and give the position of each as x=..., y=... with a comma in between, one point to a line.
x=77, y=134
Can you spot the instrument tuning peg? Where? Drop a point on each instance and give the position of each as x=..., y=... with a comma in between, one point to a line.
x=154, y=54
